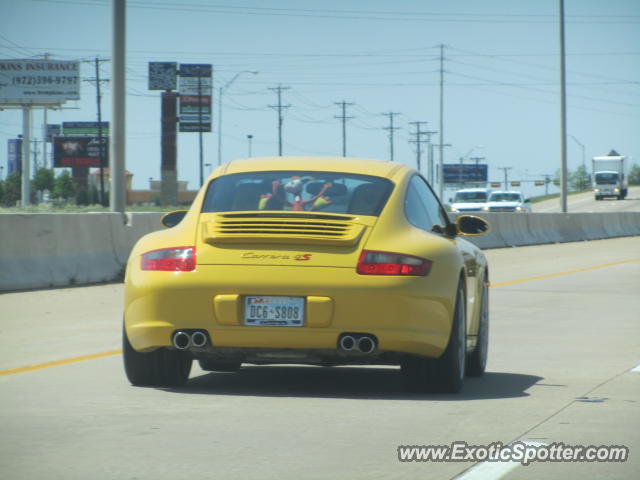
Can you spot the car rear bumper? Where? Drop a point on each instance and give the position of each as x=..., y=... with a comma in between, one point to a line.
x=407, y=315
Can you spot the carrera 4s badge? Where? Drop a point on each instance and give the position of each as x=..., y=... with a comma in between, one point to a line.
x=299, y=257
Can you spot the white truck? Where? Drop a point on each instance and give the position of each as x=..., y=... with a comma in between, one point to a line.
x=610, y=175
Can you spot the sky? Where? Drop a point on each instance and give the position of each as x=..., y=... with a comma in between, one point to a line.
x=501, y=77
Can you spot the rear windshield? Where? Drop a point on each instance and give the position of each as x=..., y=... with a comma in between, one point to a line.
x=330, y=192
x=470, y=197
x=505, y=197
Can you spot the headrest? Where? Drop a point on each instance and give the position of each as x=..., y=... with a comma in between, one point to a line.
x=335, y=190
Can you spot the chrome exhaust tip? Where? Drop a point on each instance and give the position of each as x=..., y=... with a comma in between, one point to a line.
x=181, y=340
x=198, y=339
x=347, y=343
x=366, y=344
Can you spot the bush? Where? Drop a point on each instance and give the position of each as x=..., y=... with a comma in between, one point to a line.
x=63, y=186
x=634, y=175
x=12, y=190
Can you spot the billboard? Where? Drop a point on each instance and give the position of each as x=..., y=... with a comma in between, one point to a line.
x=84, y=128
x=79, y=151
x=162, y=75
x=456, y=173
x=14, y=155
x=195, y=97
x=52, y=130
x=39, y=82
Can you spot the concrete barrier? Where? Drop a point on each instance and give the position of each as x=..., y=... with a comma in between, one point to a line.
x=51, y=250
x=54, y=250
x=521, y=229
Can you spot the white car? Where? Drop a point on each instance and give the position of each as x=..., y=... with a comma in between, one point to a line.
x=507, y=201
x=470, y=200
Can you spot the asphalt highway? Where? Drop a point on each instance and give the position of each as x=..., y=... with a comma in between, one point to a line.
x=586, y=202
x=563, y=367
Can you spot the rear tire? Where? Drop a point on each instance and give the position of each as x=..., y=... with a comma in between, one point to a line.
x=477, y=360
x=160, y=368
x=445, y=374
x=219, y=365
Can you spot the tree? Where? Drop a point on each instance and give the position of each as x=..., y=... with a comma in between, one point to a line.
x=634, y=175
x=1, y=192
x=579, y=179
x=12, y=190
x=43, y=180
x=63, y=186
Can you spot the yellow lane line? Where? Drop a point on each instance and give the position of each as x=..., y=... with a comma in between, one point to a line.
x=562, y=274
x=67, y=361
x=57, y=363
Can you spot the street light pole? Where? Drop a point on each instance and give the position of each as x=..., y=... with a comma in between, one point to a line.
x=221, y=91
x=249, y=138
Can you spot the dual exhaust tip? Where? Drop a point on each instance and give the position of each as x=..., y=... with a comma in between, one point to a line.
x=355, y=343
x=362, y=343
x=183, y=339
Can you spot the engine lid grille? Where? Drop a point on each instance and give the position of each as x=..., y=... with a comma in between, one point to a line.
x=283, y=228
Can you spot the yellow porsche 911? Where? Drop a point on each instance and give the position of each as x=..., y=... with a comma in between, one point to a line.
x=320, y=261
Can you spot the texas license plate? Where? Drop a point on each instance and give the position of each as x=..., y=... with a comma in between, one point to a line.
x=265, y=311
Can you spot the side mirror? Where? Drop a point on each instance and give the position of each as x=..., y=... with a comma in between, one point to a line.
x=470, y=225
x=528, y=200
x=172, y=219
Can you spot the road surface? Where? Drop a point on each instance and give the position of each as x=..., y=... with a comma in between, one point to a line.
x=585, y=202
x=564, y=343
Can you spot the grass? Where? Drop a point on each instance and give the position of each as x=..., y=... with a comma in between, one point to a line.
x=542, y=198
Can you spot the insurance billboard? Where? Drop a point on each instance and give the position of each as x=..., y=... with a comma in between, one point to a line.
x=39, y=82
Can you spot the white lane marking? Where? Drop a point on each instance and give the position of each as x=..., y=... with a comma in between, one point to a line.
x=493, y=470
x=636, y=369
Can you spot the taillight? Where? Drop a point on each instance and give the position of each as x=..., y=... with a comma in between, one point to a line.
x=176, y=259
x=386, y=263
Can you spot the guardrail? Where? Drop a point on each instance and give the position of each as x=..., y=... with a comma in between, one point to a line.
x=55, y=250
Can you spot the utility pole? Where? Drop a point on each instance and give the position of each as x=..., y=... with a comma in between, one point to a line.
x=418, y=141
x=35, y=142
x=430, y=172
x=506, y=176
x=564, y=174
x=101, y=152
x=441, y=144
x=344, y=119
x=117, y=149
x=391, y=128
x=279, y=108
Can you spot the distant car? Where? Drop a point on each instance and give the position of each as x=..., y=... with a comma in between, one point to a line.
x=321, y=261
x=507, y=201
x=470, y=200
